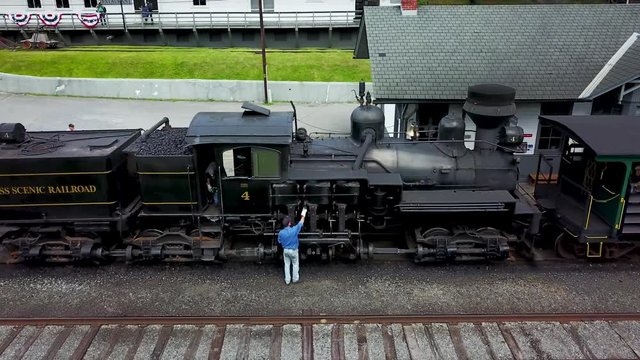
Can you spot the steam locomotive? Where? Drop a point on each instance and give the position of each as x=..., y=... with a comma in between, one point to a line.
x=219, y=189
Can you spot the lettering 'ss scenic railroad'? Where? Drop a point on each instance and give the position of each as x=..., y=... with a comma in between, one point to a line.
x=44, y=190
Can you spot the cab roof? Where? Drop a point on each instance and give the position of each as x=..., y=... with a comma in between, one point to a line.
x=606, y=135
x=248, y=127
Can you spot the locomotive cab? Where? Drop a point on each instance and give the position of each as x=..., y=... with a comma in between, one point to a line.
x=249, y=152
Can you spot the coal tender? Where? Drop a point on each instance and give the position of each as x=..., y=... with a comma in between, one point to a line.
x=220, y=189
x=64, y=195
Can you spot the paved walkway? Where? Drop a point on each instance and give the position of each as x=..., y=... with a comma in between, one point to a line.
x=529, y=340
x=38, y=113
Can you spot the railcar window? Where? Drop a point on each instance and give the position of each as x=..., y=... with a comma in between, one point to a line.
x=550, y=138
x=199, y=2
x=34, y=4
x=266, y=162
x=90, y=3
x=62, y=4
x=251, y=162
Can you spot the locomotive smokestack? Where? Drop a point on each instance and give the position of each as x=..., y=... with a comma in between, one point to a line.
x=489, y=106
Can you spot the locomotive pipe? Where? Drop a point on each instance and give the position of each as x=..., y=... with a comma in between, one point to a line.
x=363, y=150
x=295, y=116
x=164, y=121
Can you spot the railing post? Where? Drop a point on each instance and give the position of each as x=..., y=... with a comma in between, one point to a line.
x=210, y=19
x=194, y=19
x=6, y=26
x=176, y=19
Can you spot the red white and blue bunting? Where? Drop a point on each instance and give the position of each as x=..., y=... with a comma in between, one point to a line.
x=20, y=19
x=50, y=19
x=89, y=20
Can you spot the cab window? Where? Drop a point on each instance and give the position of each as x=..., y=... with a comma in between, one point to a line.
x=251, y=162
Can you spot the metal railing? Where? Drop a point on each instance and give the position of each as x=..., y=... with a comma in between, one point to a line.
x=201, y=20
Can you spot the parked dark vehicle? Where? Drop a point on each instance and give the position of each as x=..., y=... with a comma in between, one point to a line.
x=220, y=188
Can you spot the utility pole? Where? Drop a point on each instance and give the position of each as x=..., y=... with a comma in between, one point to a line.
x=264, y=55
x=124, y=23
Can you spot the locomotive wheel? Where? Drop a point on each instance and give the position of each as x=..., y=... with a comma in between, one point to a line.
x=437, y=231
x=42, y=45
x=10, y=254
x=564, y=247
x=487, y=231
x=26, y=44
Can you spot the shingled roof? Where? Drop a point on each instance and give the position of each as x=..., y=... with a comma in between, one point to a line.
x=546, y=52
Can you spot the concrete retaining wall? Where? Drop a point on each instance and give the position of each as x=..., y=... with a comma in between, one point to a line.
x=215, y=90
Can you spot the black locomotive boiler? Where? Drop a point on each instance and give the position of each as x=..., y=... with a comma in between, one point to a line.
x=220, y=188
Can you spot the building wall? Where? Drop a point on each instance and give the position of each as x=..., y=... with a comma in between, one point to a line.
x=631, y=104
x=20, y=6
x=582, y=108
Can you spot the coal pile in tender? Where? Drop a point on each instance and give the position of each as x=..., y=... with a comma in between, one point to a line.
x=165, y=142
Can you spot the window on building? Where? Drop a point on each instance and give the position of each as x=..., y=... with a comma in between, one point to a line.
x=199, y=2
x=267, y=5
x=34, y=4
x=556, y=108
x=62, y=4
x=137, y=4
x=550, y=138
x=251, y=162
x=90, y=3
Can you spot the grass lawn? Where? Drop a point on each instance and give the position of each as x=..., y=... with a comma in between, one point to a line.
x=186, y=63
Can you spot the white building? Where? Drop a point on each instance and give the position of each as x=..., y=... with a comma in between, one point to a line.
x=173, y=6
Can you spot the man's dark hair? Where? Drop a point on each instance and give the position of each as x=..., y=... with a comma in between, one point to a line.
x=286, y=221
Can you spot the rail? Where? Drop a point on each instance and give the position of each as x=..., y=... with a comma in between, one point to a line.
x=196, y=20
x=319, y=319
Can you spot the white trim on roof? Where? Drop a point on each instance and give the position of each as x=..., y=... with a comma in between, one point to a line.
x=608, y=66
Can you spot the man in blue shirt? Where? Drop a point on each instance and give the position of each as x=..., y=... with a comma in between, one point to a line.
x=288, y=238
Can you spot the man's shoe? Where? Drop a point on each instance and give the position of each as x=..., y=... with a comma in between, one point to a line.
x=287, y=282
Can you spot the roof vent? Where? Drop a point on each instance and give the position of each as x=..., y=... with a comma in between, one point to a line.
x=253, y=109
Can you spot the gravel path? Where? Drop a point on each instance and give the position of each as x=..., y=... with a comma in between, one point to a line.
x=361, y=288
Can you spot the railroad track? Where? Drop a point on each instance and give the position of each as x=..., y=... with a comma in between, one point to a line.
x=528, y=336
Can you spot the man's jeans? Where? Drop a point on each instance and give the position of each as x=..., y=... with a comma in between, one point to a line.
x=291, y=257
